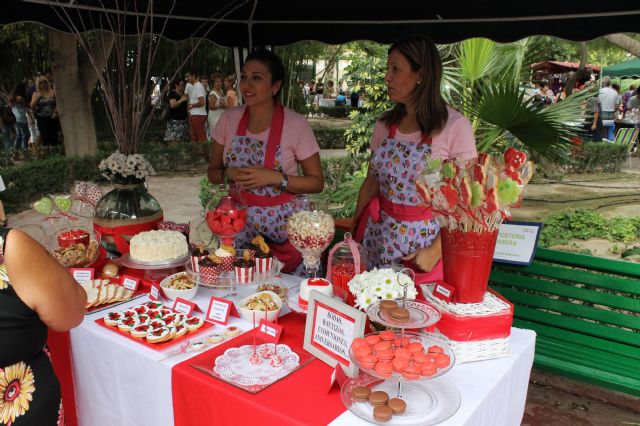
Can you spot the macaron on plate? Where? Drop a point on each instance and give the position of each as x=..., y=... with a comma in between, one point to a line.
x=414, y=356
x=408, y=314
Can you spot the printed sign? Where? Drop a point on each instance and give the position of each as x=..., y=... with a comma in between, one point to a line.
x=331, y=327
x=219, y=311
x=130, y=283
x=184, y=306
x=517, y=242
x=82, y=274
x=443, y=291
x=154, y=292
x=269, y=331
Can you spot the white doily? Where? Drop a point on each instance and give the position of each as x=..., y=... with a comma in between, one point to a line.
x=234, y=365
x=489, y=305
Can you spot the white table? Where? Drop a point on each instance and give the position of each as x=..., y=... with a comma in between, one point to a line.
x=119, y=381
x=326, y=102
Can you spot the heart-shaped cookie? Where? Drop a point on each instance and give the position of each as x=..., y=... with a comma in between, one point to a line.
x=63, y=202
x=43, y=206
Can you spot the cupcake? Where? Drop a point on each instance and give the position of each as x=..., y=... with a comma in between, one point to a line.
x=244, y=268
x=263, y=256
x=209, y=269
x=228, y=256
x=197, y=253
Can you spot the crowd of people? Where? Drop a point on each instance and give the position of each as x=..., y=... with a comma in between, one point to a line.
x=30, y=119
x=342, y=95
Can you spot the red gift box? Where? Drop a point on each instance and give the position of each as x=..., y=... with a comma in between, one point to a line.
x=492, y=318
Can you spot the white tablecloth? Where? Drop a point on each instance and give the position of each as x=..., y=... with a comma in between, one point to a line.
x=326, y=102
x=120, y=382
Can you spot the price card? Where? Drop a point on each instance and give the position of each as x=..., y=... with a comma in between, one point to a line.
x=154, y=292
x=269, y=331
x=184, y=306
x=130, y=283
x=219, y=311
x=443, y=291
x=82, y=274
x=516, y=243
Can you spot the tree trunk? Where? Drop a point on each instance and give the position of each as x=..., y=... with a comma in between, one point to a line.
x=582, y=73
x=75, y=79
x=624, y=42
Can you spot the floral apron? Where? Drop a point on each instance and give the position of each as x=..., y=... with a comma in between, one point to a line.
x=268, y=207
x=402, y=226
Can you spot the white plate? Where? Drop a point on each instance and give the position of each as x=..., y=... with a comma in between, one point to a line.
x=126, y=260
x=421, y=315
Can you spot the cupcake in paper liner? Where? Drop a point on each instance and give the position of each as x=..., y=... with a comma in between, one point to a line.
x=197, y=254
x=244, y=268
x=263, y=256
x=227, y=254
x=209, y=270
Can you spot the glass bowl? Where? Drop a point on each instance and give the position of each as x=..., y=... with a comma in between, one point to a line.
x=75, y=247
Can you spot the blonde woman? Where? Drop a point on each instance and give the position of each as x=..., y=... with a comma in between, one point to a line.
x=217, y=100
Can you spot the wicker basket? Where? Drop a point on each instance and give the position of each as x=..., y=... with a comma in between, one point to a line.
x=477, y=350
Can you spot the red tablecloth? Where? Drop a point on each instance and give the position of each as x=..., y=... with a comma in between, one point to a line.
x=294, y=400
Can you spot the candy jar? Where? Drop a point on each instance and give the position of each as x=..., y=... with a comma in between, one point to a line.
x=311, y=230
x=224, y=214
x=346, y=259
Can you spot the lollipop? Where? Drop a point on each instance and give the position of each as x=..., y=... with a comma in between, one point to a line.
x=63, y=202
x=477, y=194
x=43, y=206
x=422, y=189
x=508, y=191
x=514, y=158
x=446, y=197
x=513, y=174
x=491, y=202
x=465, y=193
x=448, y=171
x=527, y=172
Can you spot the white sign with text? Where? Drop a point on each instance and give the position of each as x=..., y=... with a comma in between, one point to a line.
x=517, y=242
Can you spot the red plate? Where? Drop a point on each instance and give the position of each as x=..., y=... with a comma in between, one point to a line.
x=155, y=346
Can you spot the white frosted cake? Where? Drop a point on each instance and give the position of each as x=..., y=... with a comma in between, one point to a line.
x=158, y=246
x=318, y=284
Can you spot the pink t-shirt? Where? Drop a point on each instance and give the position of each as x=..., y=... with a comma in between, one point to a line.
x=298, y=141
x=454, y=141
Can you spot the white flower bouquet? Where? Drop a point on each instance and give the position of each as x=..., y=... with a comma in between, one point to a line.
x=126, y=166
x=379, y=284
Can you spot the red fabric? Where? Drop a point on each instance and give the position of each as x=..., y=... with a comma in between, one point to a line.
x=287, y=254
x=251, y=199
x=293, y=401
x=396, y=211
x=119, y=231
x=197, y=123
x=275, y=133
x=60, y=350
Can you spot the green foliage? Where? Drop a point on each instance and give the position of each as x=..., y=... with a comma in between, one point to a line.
x=585, y=224
x=347, y=194
x=205, y=191
x=339, y=111
x=596, y=157
x=330, y=138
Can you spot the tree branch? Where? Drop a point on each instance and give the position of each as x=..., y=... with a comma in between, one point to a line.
x=624, y=42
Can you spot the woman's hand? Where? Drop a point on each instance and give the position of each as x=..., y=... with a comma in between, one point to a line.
x=426, y=258
x=254, y=177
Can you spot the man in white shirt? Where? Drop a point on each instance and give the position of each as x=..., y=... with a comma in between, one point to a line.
x=609, y=101
x=196, y=107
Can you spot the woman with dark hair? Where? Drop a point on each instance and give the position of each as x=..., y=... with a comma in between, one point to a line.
x=259, y=147
x=391, y=220
x=177, y=124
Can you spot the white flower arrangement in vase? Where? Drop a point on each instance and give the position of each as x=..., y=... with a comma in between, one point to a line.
x=377, y=284
x=126, y=166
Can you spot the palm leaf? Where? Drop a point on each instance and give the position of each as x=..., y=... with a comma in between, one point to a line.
x=476, y=59
x=503, y=105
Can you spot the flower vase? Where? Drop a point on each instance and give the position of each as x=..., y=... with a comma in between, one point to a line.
x=125, y=211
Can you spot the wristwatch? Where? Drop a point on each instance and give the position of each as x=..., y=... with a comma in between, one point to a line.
x=284, y=182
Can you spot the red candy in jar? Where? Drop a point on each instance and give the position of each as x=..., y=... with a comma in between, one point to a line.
x=343, y=259
x=73, y=236
x=227, y=218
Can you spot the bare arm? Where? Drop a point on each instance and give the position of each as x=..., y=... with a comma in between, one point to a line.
x=216, y=169
x=34, y=99
x=232, y=99
x=48, y=289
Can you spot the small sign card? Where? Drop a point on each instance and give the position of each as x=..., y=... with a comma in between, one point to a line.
x=82, y=274
x=331, y=327
x=338, y=377
x=517, y=242
x=154, y=292
x=269, y=331
x=185, y=306
x=130, y=283
x=443, y=291
x=219, y=311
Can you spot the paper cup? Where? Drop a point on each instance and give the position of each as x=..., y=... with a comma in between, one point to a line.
x=227, y=263
x=195, y=260
x=244, y=275
x=263, y=264
x=209, y=274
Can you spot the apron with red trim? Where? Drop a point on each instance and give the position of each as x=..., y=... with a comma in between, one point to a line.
x=396, y=223
x=268, y=207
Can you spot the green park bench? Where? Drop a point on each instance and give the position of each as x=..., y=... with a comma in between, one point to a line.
x=586, y=312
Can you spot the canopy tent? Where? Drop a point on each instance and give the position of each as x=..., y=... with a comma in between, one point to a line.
x=560, y=67
x=280, y=22
x=627, y=69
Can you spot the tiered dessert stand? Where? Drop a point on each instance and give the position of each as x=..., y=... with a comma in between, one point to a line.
x=430, y=400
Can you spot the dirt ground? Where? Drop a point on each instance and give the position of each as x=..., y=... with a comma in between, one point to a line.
x=552, y=400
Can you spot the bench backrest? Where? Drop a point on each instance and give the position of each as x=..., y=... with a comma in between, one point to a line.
x=626, y=136
x=583, y=300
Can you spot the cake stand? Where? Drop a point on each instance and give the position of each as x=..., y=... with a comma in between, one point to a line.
x=430, y=399
x=154, y=271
